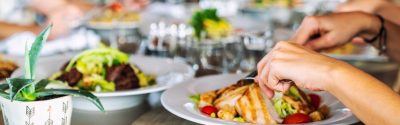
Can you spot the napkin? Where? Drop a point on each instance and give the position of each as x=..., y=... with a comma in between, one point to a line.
x=77, y=40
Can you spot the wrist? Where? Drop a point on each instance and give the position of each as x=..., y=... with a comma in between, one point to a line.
x=338, y=74
x=371, y=27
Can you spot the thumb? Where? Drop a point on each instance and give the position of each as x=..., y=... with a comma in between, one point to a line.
x=325, y=41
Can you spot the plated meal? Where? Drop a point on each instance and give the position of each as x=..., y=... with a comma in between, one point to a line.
x=115, y=13
x=245, y=103
x=160, y=74
x=214, y=100
x=7, y=67
x=356, y=52
x=103, y=70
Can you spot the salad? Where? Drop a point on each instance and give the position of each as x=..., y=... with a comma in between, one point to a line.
x=102, y=70
x=115, y=12
x=207, y=24
x=245, y=103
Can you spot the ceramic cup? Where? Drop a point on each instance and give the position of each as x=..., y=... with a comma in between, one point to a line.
x=55, y=111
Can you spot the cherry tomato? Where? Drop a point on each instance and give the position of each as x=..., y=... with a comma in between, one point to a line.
x=315, y=100
x=209, y=110
x=116, y=6
x=297, y=118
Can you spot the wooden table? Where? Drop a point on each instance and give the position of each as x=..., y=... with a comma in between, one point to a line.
x=160, y=116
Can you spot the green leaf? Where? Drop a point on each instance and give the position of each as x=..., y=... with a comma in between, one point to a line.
x=4, y=95
x=34, y=52
x=4, y=87
x=195, y=98
x=79, y=93
x=16, y=85
x=41, y=85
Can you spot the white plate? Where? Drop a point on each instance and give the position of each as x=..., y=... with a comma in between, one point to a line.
x=168, y=73
x=176, y=100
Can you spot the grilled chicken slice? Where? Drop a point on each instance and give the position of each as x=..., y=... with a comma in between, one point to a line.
x=252, y=107
x=230, y=96
x=207, y=98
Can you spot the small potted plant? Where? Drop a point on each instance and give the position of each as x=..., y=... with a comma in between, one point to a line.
x=27, y=101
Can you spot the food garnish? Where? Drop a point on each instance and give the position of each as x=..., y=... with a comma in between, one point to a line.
x=207, y=24
x=209, y=110
x=103, y=70
x=297, y=118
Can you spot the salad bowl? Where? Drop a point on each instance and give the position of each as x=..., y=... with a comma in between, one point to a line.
x=167, y=72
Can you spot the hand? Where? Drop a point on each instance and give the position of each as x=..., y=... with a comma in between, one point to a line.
x=63, y=20
x=304, y=67
x=368, y=6
x=321, y=32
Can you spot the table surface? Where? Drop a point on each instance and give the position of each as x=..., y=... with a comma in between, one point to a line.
x=160, y=116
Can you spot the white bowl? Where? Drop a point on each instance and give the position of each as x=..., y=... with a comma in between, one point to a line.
x=168, y=72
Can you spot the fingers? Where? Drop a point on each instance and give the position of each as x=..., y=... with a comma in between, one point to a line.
x=325, y=41
x=269, y=92
x=308, y=28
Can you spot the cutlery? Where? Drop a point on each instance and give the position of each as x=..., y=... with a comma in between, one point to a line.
x=249, y=79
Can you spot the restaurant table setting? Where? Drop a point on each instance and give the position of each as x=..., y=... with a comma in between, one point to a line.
x=183, y=60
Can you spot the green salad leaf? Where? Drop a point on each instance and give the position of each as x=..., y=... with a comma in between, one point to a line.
x=283, y=108
x=195, y=98
x=95, y=60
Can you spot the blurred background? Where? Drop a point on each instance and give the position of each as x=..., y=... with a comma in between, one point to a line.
x=168, y=29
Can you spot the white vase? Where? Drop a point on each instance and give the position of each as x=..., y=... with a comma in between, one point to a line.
x=55, y=111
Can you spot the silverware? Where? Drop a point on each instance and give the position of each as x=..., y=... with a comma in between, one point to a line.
x=249, y=79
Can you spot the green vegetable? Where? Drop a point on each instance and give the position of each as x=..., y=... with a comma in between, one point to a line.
x=293, y=92
x=144, y=80
x=27, y=89
x=198, y=19
x=95, y=60
x=95, y=81
x=239, y=119
x=195, y=98
x=283, y=108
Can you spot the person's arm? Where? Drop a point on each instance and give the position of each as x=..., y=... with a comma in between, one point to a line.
x=8, y=29
x=385, y=8
x=339, y=28
x=369, y=99
x=393, y=40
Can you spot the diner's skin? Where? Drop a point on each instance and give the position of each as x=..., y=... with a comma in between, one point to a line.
x=60, y=13
x=385, y=8
x=368, y=98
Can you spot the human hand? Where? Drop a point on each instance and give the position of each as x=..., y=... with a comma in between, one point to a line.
x=64, y=20
x=321, y=32
x=368, y=6
x=304, y=67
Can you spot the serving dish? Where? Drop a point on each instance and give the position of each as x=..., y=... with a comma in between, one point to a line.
x=176, y=100
x=167, y=73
